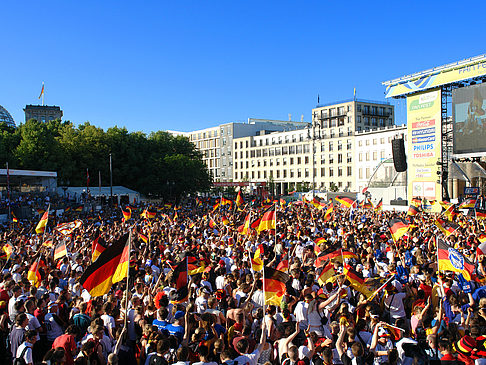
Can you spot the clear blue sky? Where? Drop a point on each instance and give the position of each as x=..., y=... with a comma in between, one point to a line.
x=186, y=65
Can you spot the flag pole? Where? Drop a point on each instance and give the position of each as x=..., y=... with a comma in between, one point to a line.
x=128, y=277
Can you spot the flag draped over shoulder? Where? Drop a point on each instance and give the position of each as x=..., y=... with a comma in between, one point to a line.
x=110, y=267
x=41, y=226
x=274, y=285
x=398, y=227
x=451, y=260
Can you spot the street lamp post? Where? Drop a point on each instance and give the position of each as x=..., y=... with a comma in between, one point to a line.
x=111, y=182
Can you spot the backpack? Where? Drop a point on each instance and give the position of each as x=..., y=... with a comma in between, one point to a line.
x=20, y=360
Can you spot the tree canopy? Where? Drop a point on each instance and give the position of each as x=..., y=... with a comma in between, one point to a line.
x=156, y=165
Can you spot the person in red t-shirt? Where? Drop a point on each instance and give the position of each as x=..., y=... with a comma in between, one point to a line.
x=68, y=342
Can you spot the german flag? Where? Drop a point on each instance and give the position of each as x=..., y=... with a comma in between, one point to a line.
x=148, y=214
x=40, y=211
x=274, y=285
x=14, y=218
x=398, y=227
x=192, y=225
x=8, y=249
x=194, y=266
x=225, y=221
x=143, y=237
x=482, y=239
x=445, y=204
x=256, y=261
x=225, y=201
x=327, y=273
x=451, y=212
x=447, y=227
x=283, y=203
x=268, y=220
x=239, y=200
x=60, y=251
x=394, y=331
x=316, y=202
x=34, y=275
x=469, y=203
x=181, y=274
x=212, y=223
x=319, y=241
x=353, y=276
x=413, y=210
x=244, y=229
x=379, y=206
x=451, y=260
x=110, y=267
x=78, y=208
x=127, y=214
x=347, y=202
x=327, y=215
x=176, y=216
x=480, y=214
x=98, y=245
x=283, y=266
x=67, y=228
x=41, y=226
x=417, y=202
x=48, y=243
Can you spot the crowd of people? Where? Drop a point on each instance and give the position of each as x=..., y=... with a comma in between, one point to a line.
x=418, y=314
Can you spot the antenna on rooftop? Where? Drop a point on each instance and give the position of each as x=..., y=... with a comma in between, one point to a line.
x=290, y=117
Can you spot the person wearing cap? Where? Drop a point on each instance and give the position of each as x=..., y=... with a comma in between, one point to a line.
x=15, y=273
x=380, y=343
x=54, y=324
x=177, y=329
x=202, y=300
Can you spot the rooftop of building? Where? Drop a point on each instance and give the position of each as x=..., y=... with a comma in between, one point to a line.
x=365, y=101
x=381, y=129
x=31, y=106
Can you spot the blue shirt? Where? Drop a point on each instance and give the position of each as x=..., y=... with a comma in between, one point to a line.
x=177, y=331
x=161, y=325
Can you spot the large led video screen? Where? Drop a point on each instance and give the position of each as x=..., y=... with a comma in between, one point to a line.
x=469, y=113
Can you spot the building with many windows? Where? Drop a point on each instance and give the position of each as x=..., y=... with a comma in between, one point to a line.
x=372, y=147
x=321, y=156
x=216, y=143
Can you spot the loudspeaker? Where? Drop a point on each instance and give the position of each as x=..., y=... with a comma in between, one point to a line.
x=399, y=158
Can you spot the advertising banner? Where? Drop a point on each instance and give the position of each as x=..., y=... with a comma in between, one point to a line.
x=424, y=145
x=434, y=79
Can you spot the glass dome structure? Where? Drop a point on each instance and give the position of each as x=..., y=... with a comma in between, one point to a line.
x=6, y=117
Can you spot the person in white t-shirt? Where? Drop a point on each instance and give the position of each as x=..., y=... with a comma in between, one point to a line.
x=108, y=320
x=25, y=349
x=242, y=347
x=53, y=323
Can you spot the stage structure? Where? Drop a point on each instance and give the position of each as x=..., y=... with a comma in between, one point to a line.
x=445, y=120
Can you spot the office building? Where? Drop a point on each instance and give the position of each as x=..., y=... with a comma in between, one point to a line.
x=321, y=156
x=216, y=143
x=42, y=113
